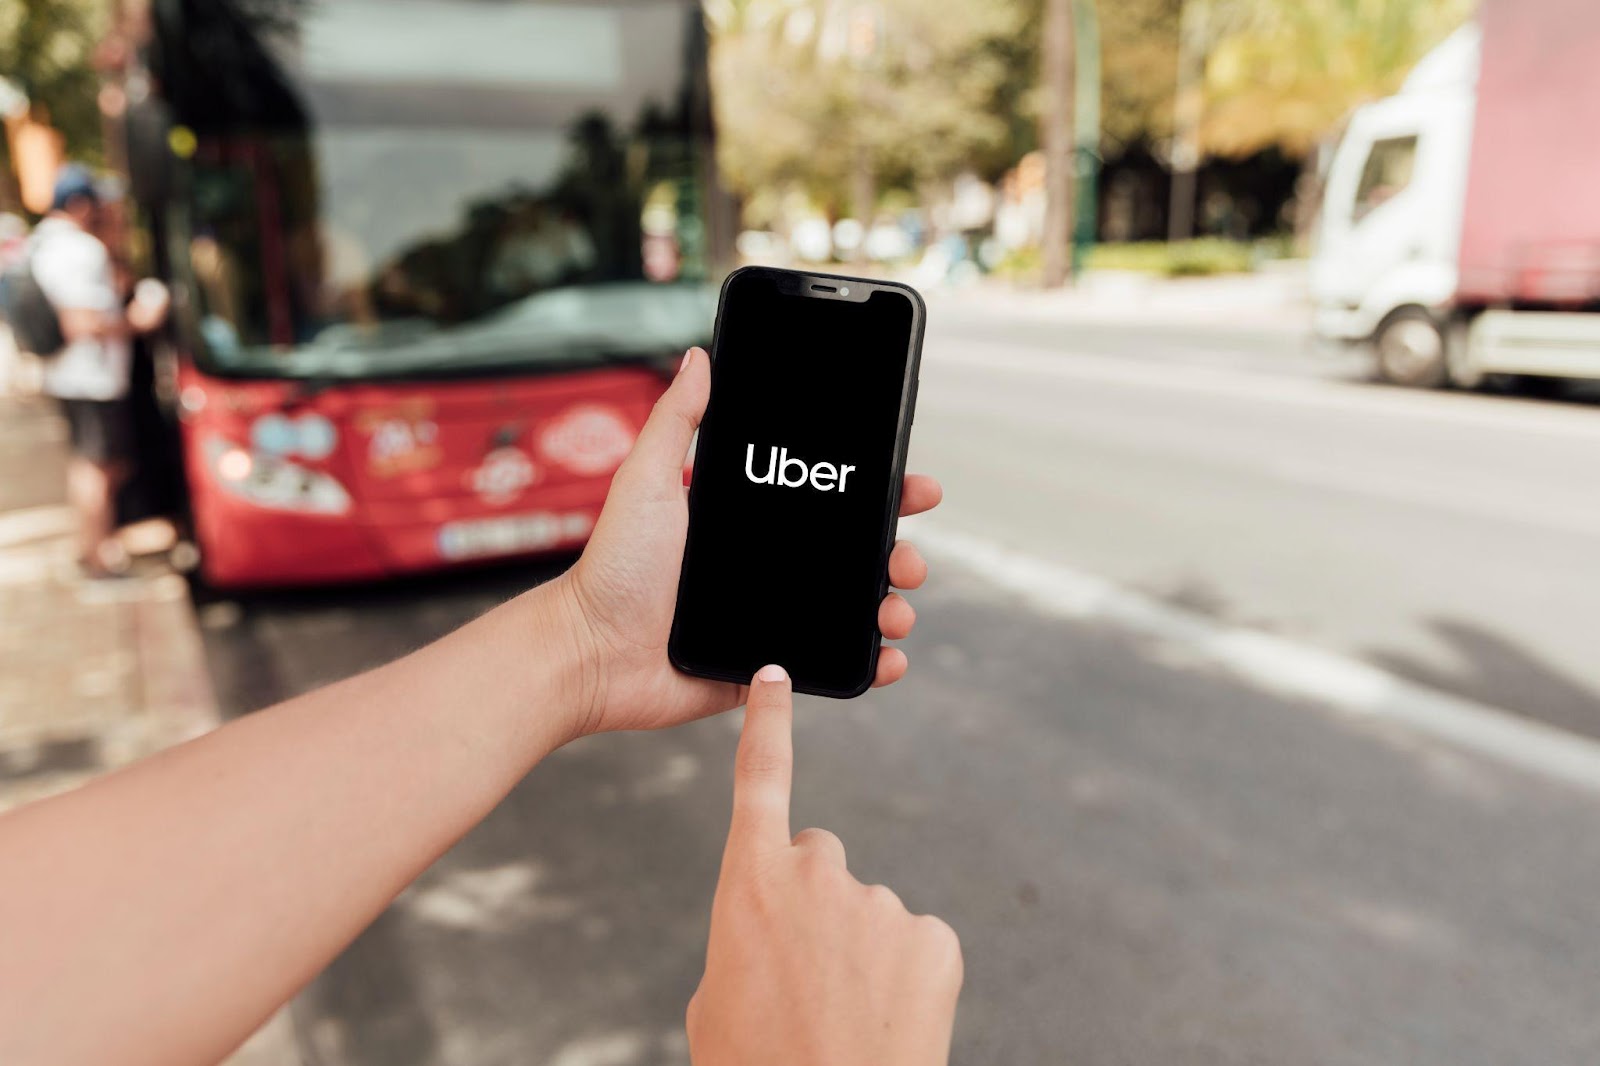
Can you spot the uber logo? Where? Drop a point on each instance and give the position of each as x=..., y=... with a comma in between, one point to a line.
x=780, y=464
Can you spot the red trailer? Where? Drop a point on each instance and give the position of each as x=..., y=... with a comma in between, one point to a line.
x=1530, y=233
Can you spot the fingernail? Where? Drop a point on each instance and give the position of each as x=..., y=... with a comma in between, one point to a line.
x=770, y=674
x=688, y=357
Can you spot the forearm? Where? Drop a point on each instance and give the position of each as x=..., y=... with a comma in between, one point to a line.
x=83, y=324
x=161, y=913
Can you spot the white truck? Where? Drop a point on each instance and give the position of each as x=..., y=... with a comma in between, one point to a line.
x=1460, y=228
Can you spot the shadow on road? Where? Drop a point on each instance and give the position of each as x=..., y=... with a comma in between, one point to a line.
x=1499, y=672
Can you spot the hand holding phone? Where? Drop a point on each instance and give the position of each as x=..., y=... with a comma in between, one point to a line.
x=619, y=598
x=797, y=479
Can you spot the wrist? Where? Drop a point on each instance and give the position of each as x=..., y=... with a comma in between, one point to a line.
x=567, y=645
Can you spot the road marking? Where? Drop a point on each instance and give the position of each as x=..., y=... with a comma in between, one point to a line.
x=1540, y=418
x=1274, y=663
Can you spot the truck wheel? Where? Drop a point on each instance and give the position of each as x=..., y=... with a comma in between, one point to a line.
x=1463, y=371
x=1411, y=350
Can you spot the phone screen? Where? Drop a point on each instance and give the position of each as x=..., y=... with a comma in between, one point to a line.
x=795, y=475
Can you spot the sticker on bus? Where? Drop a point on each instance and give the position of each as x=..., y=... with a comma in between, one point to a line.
x=589, y=439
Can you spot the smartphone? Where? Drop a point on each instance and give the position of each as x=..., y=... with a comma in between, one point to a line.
x=795, y=492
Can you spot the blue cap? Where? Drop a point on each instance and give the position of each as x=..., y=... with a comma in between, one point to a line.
x=72, y=181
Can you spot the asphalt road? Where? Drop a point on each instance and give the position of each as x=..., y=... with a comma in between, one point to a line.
x=1149, y=859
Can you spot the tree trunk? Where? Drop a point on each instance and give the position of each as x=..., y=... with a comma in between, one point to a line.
x=1056, y=136
x=864, y=191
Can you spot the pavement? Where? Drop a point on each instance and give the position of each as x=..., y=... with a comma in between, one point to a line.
x=93, y=675
x=1251, y=719
x=1276, y=298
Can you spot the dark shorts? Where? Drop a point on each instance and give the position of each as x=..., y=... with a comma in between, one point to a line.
x=101, y=431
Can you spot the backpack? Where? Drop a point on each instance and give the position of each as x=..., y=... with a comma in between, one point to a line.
x=33, y=319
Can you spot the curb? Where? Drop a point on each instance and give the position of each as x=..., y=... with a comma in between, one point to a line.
x=1322, y=679
x=1252, y=303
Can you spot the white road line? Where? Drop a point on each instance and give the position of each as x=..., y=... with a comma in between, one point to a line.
x=1495, y=412
x=1274, y=663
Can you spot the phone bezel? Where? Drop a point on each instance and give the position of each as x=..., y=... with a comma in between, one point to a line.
x=799, y=283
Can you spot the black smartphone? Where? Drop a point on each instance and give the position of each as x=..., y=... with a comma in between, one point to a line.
x=795, y=493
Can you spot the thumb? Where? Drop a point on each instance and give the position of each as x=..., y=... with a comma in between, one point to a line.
x=663, y=444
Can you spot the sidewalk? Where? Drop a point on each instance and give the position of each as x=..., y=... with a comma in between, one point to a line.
x=92, y=676
x=1274, y=299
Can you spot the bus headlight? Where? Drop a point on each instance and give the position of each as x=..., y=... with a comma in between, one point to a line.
x=274, y=483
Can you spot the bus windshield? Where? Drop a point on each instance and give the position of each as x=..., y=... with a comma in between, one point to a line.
x=374, y=188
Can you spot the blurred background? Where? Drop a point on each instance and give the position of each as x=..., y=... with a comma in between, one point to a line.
x=1254, y=712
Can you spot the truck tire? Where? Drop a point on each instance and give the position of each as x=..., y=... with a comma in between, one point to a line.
x=1412, y=350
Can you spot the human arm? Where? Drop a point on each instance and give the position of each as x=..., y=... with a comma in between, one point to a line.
x=161, y=913
x=79, y=277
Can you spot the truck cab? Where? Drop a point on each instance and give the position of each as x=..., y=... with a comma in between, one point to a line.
x=1460, y=233
x=1385, y=270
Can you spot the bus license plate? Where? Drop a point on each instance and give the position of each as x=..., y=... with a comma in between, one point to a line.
x=512, y=534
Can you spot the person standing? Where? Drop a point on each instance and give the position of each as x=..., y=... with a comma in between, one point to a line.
x=89, y=376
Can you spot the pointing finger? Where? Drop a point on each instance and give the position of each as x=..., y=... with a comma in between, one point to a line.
x=764, y=767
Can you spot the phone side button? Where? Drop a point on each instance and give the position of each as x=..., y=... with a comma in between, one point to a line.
x=916, y=386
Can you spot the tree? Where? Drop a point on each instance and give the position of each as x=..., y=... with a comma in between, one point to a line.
x=842, y=98
x=46, y=47
x=1139, y=40
x=1288, y=72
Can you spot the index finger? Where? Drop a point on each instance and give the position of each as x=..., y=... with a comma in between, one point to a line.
x=764, y=767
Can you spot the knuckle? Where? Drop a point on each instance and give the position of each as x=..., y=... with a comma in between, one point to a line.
x=814, y=839
x=760, y=892
x=815, y=867
x=691, y=1014
x=941, y=941
x=669, y=409
x=884, y=899
x=760, y=763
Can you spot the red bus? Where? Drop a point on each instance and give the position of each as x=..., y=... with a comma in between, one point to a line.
x=433, y=262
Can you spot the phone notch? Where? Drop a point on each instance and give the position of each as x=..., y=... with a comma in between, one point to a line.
x=837, y=289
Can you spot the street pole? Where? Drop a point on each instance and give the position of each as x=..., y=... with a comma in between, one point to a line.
x=1086, y=25
x=1188, y=111
x=1058, y=78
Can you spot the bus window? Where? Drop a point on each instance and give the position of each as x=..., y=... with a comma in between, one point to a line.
x=380, y=189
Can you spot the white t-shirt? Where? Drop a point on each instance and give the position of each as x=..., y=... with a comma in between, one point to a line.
x=74, y=270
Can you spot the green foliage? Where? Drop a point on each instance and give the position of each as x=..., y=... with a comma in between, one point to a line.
x=1139, y=48
x=45, y=50
x=823, y=94
x=1204, y=257
x=1287, y=72
x=1197, y=258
